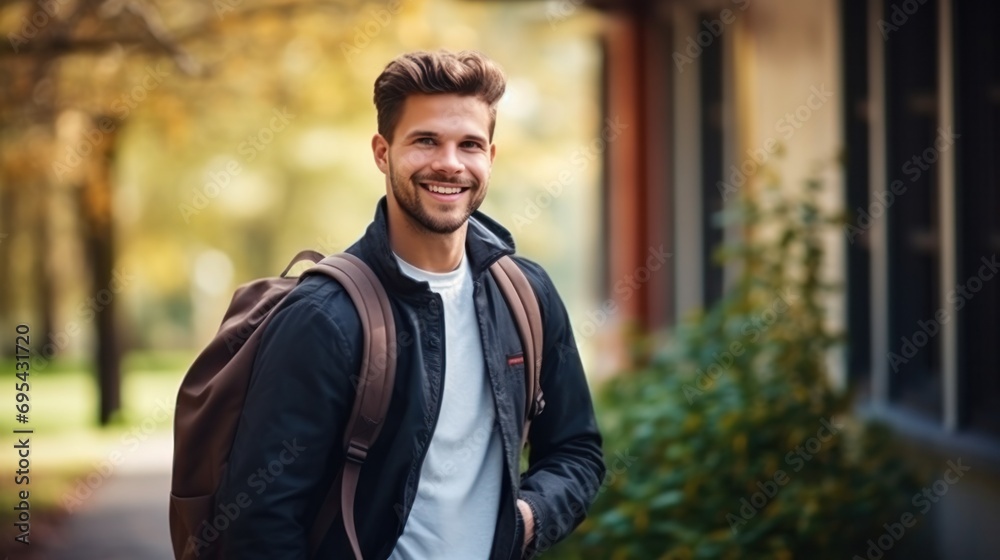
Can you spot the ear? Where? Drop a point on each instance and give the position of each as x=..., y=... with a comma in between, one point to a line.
x=380, y=150
x=493, y=153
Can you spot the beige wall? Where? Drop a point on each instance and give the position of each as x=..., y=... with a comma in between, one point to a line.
x=784, y=67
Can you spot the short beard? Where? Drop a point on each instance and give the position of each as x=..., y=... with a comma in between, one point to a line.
x=405, y=192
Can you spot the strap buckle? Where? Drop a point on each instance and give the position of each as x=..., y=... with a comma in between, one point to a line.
x=536, y=407
x=356, y=452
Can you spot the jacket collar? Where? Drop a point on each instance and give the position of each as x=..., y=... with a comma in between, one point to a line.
x=485, y=242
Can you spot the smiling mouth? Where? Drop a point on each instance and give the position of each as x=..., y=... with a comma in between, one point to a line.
x=443, y=188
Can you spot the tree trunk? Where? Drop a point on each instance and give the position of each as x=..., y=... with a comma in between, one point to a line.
x=42, y=273
x=6, y=274
x=96, y=206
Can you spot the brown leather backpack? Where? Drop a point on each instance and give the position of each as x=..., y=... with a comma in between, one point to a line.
x=214, y=389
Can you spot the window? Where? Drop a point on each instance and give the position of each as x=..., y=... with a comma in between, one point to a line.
x=942, y=227
x=856, y=131
x=977, y=100
x=911, y=53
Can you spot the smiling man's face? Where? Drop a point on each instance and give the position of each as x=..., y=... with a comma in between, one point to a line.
x=438, y=163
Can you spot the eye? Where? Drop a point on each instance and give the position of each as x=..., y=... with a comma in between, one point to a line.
x=425, y=141
x=472, y=145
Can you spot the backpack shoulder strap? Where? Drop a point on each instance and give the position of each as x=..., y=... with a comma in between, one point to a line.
x=523, y=304
x=374, y=388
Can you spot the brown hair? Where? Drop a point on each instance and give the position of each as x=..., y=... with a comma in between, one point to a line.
x=464, y=73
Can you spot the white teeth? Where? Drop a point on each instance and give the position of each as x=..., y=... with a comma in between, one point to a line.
x=443, y=190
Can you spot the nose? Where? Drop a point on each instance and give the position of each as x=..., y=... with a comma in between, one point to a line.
x=446, y=160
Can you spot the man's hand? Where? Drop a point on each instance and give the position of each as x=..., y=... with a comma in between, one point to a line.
x=529, y=523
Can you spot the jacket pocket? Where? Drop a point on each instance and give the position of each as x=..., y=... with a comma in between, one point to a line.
x=518, y=386
x=516, y=550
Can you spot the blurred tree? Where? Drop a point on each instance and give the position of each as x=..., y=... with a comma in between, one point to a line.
x=32, y=62
x=48, y=44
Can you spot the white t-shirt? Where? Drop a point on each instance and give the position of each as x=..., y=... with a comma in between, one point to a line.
x=454, y=513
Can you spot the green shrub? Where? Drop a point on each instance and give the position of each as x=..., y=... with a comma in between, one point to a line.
x=703, y=438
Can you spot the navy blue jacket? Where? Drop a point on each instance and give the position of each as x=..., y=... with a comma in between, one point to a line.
x=288, y=445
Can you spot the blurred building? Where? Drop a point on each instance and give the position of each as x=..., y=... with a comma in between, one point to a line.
x=901, y=100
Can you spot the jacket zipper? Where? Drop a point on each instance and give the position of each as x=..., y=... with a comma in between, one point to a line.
x=437, y=415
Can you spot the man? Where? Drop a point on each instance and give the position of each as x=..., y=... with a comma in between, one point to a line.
x=442, y=480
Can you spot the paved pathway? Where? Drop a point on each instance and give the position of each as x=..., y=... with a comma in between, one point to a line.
x=126, y=518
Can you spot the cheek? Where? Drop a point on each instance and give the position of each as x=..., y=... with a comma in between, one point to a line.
x=410, y=161
x=480, y=167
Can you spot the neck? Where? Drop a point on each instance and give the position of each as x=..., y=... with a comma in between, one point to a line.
x=426, y=250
